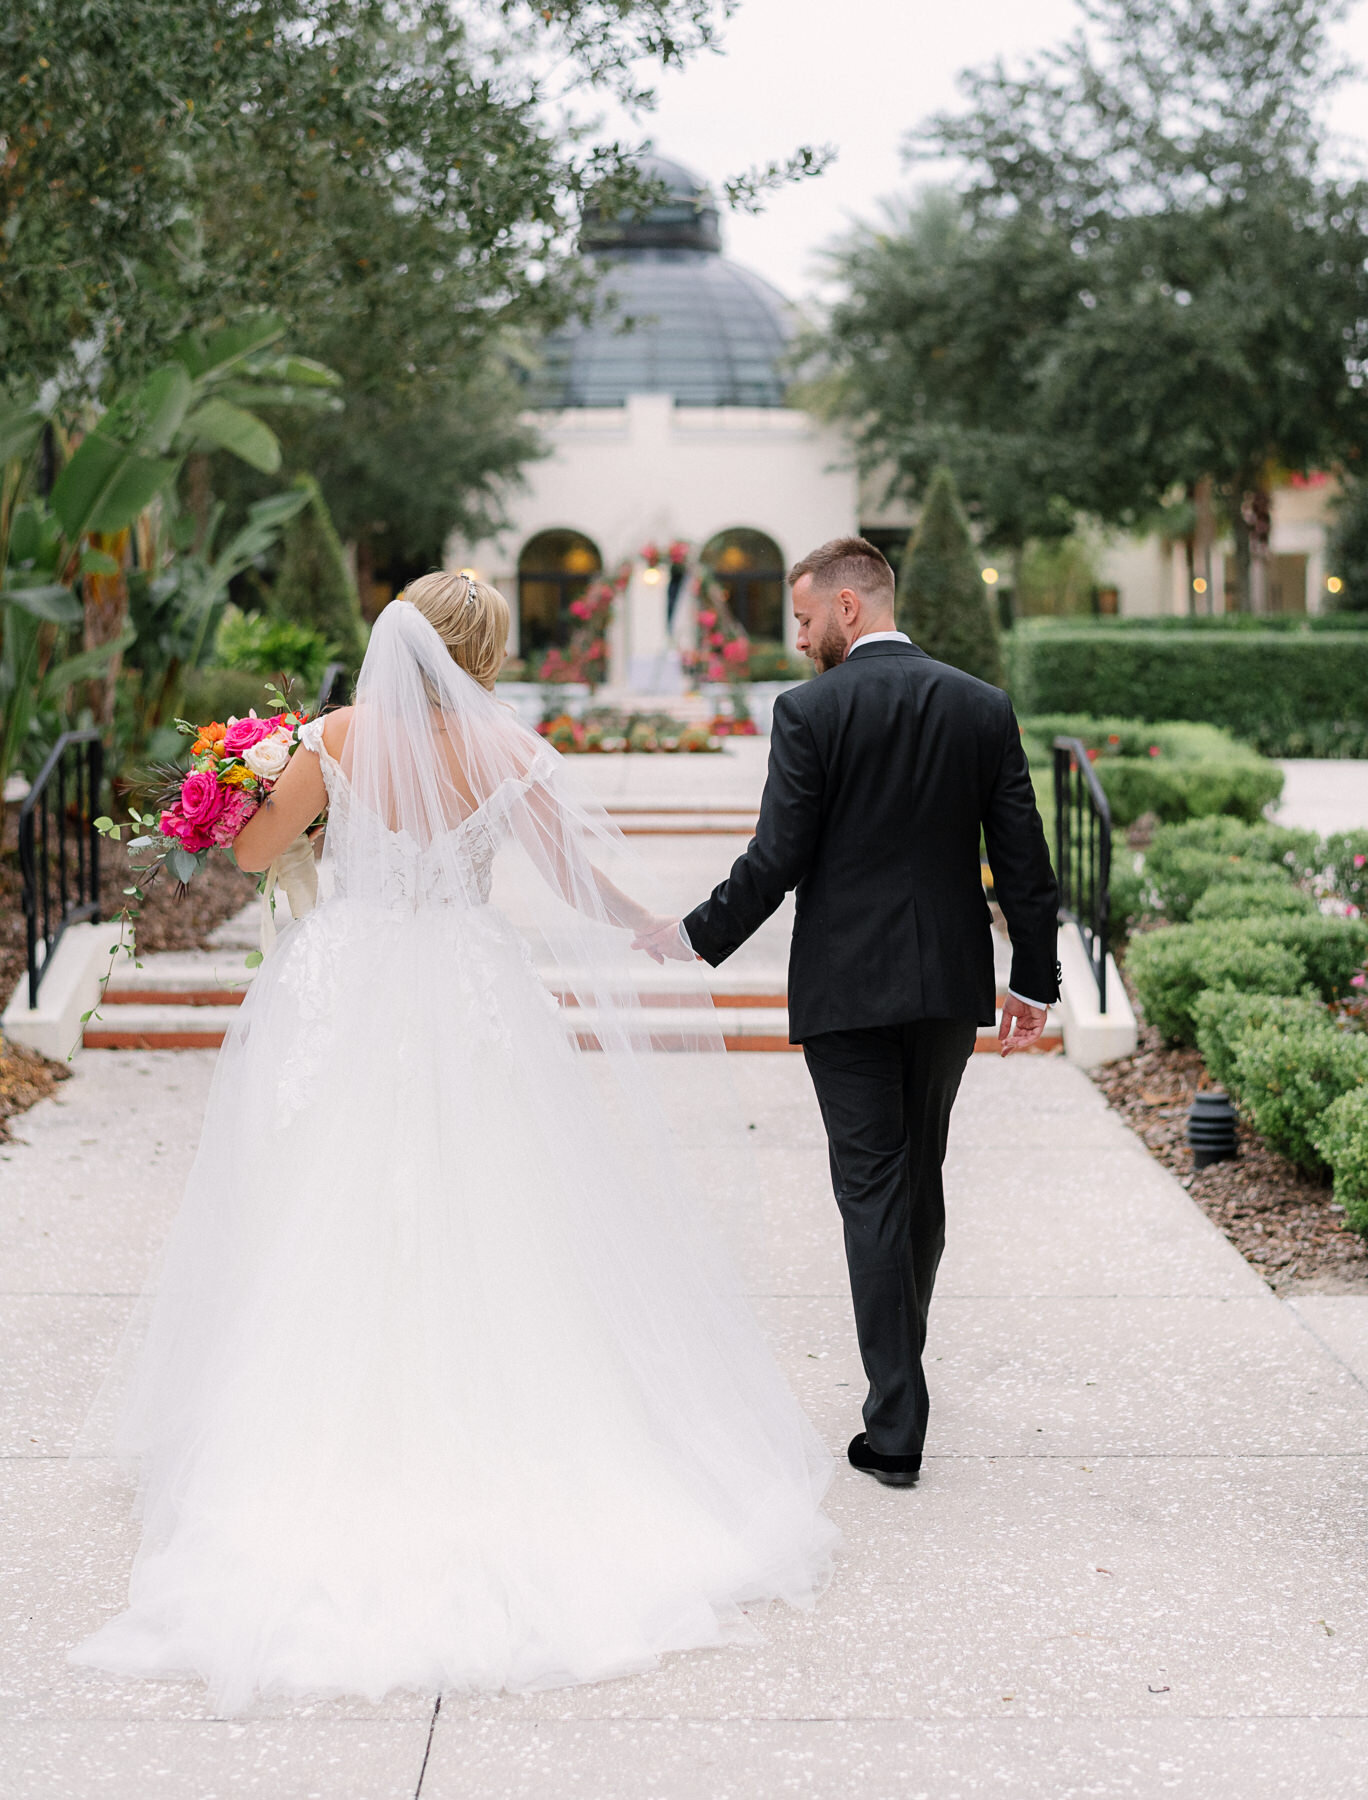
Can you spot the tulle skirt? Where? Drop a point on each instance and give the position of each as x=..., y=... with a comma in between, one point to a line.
x=444, y=1383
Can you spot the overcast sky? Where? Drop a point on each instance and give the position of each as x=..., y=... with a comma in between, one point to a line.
x=858, y=74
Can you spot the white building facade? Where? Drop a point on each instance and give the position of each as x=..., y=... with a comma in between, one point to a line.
x=666, y=424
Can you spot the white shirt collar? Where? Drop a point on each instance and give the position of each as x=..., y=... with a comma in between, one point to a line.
x=880, y=637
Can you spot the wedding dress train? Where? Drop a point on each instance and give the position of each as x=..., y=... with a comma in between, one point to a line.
x=446, y=1382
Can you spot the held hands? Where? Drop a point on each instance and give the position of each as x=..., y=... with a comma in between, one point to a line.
x=662, y=941
x=1020, y=1025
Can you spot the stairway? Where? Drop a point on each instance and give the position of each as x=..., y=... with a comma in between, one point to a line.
x=179, y=1000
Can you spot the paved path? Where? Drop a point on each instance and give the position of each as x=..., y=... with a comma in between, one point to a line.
x=1137, y=1563
x=1324, y=796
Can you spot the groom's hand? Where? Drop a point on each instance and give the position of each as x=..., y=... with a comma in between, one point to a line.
x=1020, y=1025
x=663, y=941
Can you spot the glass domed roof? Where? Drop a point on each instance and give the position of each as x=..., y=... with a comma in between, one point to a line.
x=682, y=320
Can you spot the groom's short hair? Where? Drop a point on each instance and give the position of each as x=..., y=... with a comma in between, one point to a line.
x=848, y=562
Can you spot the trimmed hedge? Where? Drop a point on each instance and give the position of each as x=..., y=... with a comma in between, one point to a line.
x=1244, y=899
x=1223, y=1016
x=1183, y=878
x=1170, y=968
x=1288, y=693
x=1341, y=1137
x=1177, y=771
x=1287, y=1076
x=1346, y=866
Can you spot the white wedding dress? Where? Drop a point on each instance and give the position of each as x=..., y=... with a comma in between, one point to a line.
x=445, y=1381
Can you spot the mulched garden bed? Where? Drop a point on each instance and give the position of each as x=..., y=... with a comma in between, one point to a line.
x=25, y=1079
x=1281, y=1220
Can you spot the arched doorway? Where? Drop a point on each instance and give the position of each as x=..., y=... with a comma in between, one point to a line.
x=554, y=569
x=749, y=568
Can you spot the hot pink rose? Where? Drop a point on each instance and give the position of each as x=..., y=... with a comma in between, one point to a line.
x=201, y=798
x=243, y=733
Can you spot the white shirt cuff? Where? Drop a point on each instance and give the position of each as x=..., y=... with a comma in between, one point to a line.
x=684, y=938
x=1041, y=1005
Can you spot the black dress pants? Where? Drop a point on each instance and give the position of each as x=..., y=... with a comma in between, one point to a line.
x=886, y=1094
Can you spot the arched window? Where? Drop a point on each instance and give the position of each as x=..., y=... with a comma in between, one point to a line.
x=749, y=569
x=555, y=568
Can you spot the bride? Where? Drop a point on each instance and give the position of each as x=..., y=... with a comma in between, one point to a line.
x=445, y=1380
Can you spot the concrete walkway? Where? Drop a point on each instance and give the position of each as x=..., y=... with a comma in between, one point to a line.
x=1324, y=796
x=1137, y=1563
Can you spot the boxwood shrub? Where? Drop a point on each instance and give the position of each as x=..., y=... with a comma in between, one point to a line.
x=1346, y=866
x=1341, y=1137
x=1286, y=692
x=1176, y=771
x=1179, y=879
x=1299, y=852
x=1244, y=899
x=1332, y=949
x=1172, y=966
x=1286, y=1076
x=1223, y=1015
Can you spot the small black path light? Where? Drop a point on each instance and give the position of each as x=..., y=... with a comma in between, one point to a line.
x=1211, y=1127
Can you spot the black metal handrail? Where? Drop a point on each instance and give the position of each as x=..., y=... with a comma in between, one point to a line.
x=1083, y=834
x=59, y=847
x=332, y=676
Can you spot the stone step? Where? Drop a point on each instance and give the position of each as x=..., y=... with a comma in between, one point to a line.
x=140, y=1024
x=175, y=1021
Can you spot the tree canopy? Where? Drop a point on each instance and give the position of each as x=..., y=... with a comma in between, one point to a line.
x=397, y=179
x=1148, y=281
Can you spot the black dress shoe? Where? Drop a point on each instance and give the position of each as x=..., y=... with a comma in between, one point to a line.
x=892, y=1471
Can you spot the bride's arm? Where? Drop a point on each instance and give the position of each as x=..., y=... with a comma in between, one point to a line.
x=557, y=845
x=292, y=805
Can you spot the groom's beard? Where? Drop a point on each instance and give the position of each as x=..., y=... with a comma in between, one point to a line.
x=830, y=650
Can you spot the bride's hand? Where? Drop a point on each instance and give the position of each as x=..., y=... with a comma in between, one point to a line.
x=663, y=941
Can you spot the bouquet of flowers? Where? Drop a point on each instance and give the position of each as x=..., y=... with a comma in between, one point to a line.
x=233, y=767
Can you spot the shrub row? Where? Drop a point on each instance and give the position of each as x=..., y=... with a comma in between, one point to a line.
x=1251, y=979
x=1223, y=868
x=1176, y=770
x=1288, y=693
x=1260, y=955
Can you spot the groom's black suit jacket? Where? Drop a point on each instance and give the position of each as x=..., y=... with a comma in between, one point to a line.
x=881, y=772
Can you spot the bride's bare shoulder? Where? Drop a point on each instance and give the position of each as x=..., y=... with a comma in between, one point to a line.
x=336, y=725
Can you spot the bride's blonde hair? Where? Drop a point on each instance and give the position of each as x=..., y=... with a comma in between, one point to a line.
x=470, y=617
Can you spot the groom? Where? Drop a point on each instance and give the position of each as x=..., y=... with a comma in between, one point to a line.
x=881, y=773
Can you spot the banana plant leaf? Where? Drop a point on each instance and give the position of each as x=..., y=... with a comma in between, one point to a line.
x=207, y=355
x=219, y=425
x=85, y=665
x=148, y=418
x=52, y=604
x=105, y=486
x=20, y=428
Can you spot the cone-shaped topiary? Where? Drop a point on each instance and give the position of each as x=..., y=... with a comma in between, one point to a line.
x=943, y=605
x=314, y=586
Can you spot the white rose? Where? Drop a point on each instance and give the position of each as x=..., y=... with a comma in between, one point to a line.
x=268, y=758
